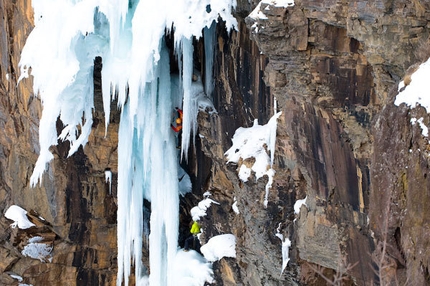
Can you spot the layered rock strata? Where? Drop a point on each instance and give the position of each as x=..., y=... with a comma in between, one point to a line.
x=332, y=68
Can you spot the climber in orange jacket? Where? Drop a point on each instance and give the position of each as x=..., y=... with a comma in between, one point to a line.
x=178, y=121
x=178, y=127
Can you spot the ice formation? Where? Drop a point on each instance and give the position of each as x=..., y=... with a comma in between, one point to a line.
x=130, y=37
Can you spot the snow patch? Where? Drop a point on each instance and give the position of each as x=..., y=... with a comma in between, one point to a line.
x=252, y=142
x=16, y=277
x=424, y=128
x=191, y=269
x=234, y=206
x=417, y=92
x=279, y=3
x=108, y=179
x=19, y=216
x=219, y=246
x=298, y=204
x=37, y=250
x=200, y=210
x=257, y=13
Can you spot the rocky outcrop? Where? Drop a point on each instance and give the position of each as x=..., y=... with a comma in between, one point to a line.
x=332, y=68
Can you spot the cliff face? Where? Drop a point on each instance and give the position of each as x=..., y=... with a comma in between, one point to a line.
x=332, y=68
x=79, y=213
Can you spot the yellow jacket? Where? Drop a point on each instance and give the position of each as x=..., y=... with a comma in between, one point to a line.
x=195, y=228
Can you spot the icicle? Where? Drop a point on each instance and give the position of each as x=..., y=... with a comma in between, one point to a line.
x=163, y=180
x=272, y=124
x=209, y=38
x=125, y=175
x=286, y=244
x=187, y=73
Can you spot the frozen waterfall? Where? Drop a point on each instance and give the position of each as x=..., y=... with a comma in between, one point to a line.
x=129, y=36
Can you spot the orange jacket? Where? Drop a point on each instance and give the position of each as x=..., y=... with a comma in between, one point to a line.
x=178, y=126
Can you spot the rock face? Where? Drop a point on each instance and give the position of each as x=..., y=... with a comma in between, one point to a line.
x=332, y=68
x=73, y=199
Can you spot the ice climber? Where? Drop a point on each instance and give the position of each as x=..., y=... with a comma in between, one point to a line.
x=195, y=230
x=178, y=127
x=178, y=121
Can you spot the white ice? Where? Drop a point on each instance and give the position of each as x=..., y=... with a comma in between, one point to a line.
x=128, y=36
x=286, y=244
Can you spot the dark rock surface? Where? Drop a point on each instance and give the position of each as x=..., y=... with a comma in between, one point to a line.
x=332, y=68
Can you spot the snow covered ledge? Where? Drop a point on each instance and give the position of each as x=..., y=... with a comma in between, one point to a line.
x=250, y=143
x=19, y=216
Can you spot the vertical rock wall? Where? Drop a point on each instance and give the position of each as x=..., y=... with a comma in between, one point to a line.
x=332, y=68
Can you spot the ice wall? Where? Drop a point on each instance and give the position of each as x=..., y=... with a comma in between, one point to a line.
x=129, y=37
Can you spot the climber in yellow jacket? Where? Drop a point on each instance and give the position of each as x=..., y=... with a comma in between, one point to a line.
x=195, y=230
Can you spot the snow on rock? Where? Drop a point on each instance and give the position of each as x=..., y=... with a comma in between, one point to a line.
x=200, y=210
x=252, y=142
x=286, y=244
x=424, y=128
x=279, y=3
x=219, y=246
x=234, y=206
x=417, y=91
x=37, y=250
x=257, y=13
x=19, y=216
x=298, y=204
x=17, y=277
x=108, y=178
